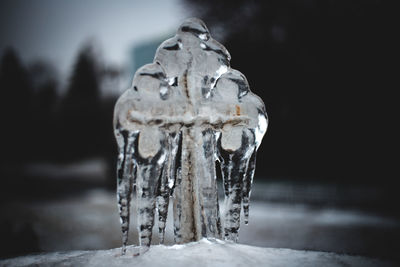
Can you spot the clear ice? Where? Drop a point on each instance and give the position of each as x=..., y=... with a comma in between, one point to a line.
x=186, y=117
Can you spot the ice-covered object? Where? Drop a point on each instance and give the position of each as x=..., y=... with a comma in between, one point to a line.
x=183, y=113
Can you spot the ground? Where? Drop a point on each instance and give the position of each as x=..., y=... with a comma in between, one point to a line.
x=202, y=253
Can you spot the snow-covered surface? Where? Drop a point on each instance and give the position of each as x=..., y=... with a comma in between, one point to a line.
x=202, y=253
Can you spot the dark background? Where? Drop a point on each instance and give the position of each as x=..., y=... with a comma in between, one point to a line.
x=326, y=71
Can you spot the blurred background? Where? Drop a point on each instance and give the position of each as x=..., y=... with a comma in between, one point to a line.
x=327, y=168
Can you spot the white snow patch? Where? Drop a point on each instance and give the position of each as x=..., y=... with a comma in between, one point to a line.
x=202, y=253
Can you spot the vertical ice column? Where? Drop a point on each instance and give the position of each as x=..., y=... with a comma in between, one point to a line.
x=196, y=209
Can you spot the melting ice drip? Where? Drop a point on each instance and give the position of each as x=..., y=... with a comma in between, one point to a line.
x=186, y=117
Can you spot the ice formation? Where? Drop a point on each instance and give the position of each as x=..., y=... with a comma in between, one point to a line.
x=186, y=117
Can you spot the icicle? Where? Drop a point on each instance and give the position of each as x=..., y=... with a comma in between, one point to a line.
x=177, y=207
x=235, y=149
x=162, y=204
x=151, y=159
x=258, y=133
x=167, y=183
x=126, y=169
x=247, y=183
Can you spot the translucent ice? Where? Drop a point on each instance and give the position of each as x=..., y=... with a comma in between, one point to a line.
x=183, y=113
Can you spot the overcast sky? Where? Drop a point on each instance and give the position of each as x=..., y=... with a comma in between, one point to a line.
x=55, y=29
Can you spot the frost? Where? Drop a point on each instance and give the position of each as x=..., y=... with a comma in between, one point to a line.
x=183, y=113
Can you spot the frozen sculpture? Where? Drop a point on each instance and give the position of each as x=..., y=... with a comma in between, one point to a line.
x=187, y=116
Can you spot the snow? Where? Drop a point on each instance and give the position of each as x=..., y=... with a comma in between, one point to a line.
x=202, y=253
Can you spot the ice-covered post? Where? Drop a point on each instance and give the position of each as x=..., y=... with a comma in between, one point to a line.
x=183, y=113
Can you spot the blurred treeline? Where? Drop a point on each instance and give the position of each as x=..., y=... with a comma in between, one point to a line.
x=42, y=123
x=323, y=68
